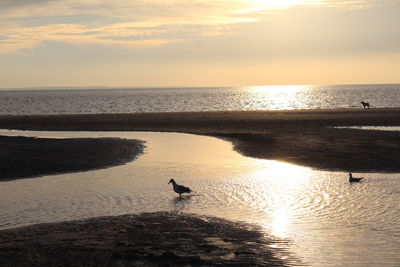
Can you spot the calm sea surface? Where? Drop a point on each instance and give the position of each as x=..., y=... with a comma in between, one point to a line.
x=197, y=99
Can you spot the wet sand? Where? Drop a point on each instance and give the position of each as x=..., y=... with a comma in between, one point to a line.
x=304, y=137
x=150, y=239
x=23, y=157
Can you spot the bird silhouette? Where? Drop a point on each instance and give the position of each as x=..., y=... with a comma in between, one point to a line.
x=180, y=189
x=354, y=179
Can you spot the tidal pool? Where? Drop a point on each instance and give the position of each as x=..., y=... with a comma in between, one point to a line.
x=326, y=220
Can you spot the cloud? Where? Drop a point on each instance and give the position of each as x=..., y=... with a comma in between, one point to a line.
x=27, y=23
x=127, y=34
x=24, y=38
x=156, y=9
x=135, y=10
x=358, y=4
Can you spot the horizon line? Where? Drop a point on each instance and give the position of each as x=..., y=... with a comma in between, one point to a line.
x=102, y=87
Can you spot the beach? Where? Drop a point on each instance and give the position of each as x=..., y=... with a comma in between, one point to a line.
x=305, y=137
x=262, y=112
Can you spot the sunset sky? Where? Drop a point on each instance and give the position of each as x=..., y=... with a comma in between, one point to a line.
x=198, y=43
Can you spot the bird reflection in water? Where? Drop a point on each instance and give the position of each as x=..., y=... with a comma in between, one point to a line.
x=183, y=203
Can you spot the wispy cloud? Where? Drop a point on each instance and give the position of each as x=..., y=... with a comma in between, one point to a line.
x=27, y=23
x=128, y=34
x=358, y=4
x=156, y=9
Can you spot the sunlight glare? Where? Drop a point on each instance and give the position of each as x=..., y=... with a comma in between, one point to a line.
x=280, y=222
x=286, y=182
x=281, y=3
x=279, y=88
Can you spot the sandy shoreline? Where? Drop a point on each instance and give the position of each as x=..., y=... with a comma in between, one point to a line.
x=304, y=137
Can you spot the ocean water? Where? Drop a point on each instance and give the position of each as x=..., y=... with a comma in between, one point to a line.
x=324, y=220
x=196, y=99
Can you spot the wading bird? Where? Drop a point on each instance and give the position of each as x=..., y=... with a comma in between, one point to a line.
x=180, y=189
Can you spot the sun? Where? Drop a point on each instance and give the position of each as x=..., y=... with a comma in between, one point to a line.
x=280, y=3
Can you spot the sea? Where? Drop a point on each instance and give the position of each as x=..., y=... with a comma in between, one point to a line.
x=179, y=99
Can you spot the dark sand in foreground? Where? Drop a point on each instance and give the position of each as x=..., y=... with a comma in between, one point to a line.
x=149, y=239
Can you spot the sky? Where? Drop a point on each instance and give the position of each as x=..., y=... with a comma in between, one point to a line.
x=198, y=42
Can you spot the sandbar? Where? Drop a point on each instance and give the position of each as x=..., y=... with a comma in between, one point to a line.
x=305, y=137
x=24, y=157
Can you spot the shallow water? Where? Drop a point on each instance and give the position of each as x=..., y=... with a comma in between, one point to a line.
x=372, y=128
x=328, y=221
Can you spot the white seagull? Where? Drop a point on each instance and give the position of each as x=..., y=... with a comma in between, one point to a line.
x=354, y=179
x=180, y=189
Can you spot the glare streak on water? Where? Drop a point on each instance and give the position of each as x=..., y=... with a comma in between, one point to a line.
x=328, y=221
x=197, y=99
x=372, y=128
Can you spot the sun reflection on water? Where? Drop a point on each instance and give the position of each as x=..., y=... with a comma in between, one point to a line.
x=285, y=184
x=275, y=97
x=281, y=219
x=279, y=88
